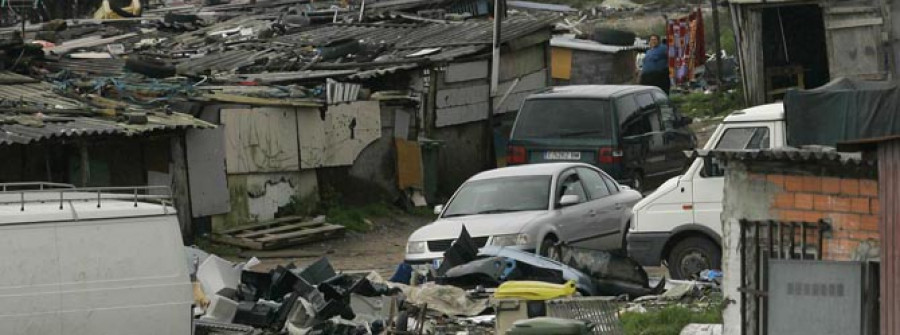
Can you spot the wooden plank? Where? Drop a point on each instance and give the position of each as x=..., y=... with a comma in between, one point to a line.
x=282, y=254
x=262, y=225
x=303, y=239
x=258, y=233
x=237, y=242
x=304, y=232
x=842, y=24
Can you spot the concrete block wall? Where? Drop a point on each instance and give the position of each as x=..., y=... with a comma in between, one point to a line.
x=851, y=204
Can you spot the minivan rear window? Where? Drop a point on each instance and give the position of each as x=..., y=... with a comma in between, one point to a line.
x=564, y=118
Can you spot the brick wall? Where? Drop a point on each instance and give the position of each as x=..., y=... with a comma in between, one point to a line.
x=851, y=205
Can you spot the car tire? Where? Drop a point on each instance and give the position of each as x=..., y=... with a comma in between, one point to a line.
x=614, y=37
x=150, y=67
x=637, y=182
x=692, y=255
x=401, y=323
x=549, y=248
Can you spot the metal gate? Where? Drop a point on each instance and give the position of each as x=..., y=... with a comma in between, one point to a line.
x=761, y=241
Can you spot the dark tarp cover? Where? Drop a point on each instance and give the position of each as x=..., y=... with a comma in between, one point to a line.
x=842, y=110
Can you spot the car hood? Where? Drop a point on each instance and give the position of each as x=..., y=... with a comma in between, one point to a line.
x=477, y=225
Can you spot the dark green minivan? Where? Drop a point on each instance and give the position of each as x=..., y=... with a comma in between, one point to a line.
x=631, y=132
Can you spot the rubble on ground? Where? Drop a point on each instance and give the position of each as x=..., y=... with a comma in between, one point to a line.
x=494, y=290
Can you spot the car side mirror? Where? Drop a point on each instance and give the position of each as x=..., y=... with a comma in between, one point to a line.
x=569, y=200
x=438, y=209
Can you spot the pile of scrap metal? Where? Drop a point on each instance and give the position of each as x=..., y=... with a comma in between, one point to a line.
x=236, y=299
x=593, y=272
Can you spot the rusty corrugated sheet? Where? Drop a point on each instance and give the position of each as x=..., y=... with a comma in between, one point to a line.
x=889, y=195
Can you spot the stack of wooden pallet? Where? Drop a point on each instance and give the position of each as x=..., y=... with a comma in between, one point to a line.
x=279, y=233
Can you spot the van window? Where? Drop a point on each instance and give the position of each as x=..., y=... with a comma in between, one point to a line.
x=641, y=124
x=644, y=100
x=744, y=138
x=564, y=118
x=625, y=107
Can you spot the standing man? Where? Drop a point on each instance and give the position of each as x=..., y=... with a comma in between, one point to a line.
x=655, y=70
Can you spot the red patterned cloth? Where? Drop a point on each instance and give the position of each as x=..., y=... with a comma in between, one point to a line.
x=686, y=46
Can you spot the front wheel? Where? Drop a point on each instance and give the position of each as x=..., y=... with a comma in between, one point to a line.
x=549, y=248
x=693, y=255
x=637, y=182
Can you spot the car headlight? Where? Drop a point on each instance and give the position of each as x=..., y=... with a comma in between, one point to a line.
x=510, y=239
x=415, y=247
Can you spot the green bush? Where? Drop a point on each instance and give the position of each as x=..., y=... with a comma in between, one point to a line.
x=668, y=320
x=699, y=104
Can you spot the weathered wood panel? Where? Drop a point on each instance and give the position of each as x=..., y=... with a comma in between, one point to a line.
x=338, y=139
x=457, y=72
x=854, y=42
x=260, y=140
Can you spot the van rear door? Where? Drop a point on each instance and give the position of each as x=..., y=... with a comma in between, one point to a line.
x=566, y=129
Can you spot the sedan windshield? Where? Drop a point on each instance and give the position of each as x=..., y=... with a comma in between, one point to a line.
x=501, y=195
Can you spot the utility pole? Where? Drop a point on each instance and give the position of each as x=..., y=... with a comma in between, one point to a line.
x=495, y=83
x=718, y=42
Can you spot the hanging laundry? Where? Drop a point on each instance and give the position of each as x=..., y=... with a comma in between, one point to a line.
x=685, y=38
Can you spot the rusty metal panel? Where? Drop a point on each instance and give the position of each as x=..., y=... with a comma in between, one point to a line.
x=889, y=196
x=206, y=170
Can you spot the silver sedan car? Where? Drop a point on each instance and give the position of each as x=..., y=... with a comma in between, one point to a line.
x=530, y=207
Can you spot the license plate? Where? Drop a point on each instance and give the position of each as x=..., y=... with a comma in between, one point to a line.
x=436, y=263
x=562, y=155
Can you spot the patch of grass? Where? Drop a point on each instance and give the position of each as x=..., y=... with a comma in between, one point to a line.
x=425, y=212
x=355, y=218
x=668, y=320
x=699, y=104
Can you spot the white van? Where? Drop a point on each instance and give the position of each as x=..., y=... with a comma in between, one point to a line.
x=680, y=222
x=91, y=262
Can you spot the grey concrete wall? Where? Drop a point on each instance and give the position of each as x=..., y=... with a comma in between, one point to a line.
x=600, y=68
x=743, y=199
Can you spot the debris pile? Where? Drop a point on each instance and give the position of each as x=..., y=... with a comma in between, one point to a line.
x=494, y=290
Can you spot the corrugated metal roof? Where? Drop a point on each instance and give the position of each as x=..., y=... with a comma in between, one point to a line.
x=224, y=61
x=374, y=73
x=588, y=45
x=792, y=155
x=106, y=67
x=541, y=6
x=27, y=128
x=37, y=95
x=416, y=36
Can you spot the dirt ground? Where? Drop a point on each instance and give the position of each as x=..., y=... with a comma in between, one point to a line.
x=381, y=249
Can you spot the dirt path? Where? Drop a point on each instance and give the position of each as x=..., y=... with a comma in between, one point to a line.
x=380, y=249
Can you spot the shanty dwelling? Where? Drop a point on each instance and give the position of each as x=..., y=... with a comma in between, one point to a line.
x=47, y=137
x=585, y=62
x=796, y=44
x=445, y=67
x=887, y=151
x=800, y=241
x=391, y=92
x=269, y=156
